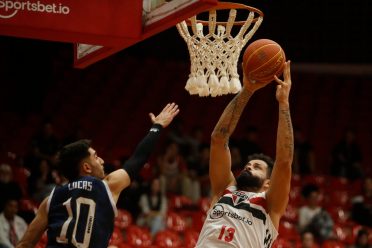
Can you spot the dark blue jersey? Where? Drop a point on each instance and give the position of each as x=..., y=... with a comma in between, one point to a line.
x=81, y=214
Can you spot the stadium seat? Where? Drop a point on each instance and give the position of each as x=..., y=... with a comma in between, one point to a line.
x=281, y=243
x=332, y=244
x=296, y=180
x=116, y=237
x=295, y=197
x=318, y=180
x=43, y=241
x=288, y=231
x=338, y=183
x=179, y=202
x=198, y=218
x=175, y=222
x=339, y=214
x=337, y=198
x=291, y=214
x=346, y=233
x=138, y=237
x=190, y=238
x=204, y=204
x=123, y=219
x=168, y=239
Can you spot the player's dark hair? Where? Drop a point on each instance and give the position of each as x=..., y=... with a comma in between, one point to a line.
x=70, y=157
x=268, y=160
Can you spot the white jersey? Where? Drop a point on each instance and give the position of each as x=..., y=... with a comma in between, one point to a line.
x=238, y=219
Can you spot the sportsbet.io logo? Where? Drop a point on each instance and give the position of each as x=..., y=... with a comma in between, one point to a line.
x=9, y=8
x=217, y=212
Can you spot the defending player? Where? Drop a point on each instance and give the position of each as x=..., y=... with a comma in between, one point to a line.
x=81, y=213
x=246, y=210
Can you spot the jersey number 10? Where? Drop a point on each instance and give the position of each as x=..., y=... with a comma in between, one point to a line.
x=88, y=229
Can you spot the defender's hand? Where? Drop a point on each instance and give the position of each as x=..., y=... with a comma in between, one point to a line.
x=166, y=115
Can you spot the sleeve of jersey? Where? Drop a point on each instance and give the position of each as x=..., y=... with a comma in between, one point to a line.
x=143, y=151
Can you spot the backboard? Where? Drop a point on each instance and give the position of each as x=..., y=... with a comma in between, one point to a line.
x=97, y=29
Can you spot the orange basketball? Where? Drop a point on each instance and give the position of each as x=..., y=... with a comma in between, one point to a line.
x=262, y=60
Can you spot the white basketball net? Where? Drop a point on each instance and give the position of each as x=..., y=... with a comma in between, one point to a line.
x=214, y=56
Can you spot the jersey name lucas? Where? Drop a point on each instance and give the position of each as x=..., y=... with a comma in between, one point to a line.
x=85, y=185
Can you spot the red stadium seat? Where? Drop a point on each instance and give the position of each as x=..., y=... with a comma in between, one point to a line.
x=288, y=231
x=28, y=205
x=43, y=241
x=138, y=237
x=179, y=202
x=338, y=183
x=198, y=218
x=123, y=219
x=318, y=180
x=296, y=181
x=190, y=238
x=338, y=198
x=290, y=214
x=175, y=222
x=116, y=237
x=346, y=233
x=295, y=197
x=332, y=244
x=281, y=243
x=204, y=204
x=339, y=215
x=168, y=239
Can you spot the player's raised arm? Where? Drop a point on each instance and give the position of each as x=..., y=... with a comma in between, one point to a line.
x=220, y=158
x=120, y=179
x=36, y=228
x=277, y=195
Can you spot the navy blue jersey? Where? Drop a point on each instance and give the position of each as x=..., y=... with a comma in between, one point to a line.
x=81, y=214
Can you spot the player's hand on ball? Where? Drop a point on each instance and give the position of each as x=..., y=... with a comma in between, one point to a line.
x=253, y=85
x=284, y=86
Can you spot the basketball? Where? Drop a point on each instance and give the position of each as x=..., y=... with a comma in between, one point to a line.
x=262, y=60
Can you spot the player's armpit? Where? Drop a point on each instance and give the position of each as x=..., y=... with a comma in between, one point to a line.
x=36, y=228
x=117, y=181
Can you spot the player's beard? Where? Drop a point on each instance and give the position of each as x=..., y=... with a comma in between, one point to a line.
x=247, y=181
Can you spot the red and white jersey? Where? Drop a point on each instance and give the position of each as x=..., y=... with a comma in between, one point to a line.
x=238, y=219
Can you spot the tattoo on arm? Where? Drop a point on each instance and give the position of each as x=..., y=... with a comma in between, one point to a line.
x=289, y=134
x=231, y=115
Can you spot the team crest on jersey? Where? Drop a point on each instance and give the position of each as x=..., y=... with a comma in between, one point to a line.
x=238, y=197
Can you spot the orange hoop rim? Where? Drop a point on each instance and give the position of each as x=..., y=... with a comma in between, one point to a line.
x=227, y=6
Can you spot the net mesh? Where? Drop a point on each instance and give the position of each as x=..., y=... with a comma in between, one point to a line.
x=214, y=55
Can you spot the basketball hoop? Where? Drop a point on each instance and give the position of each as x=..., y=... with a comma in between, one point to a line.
x=214, y=56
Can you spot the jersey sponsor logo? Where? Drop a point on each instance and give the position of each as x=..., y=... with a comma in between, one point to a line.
x=218, y=211
x=257, y=213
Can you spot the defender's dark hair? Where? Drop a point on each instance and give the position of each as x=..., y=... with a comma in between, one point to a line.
x=268, y=160
x=70, y=157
